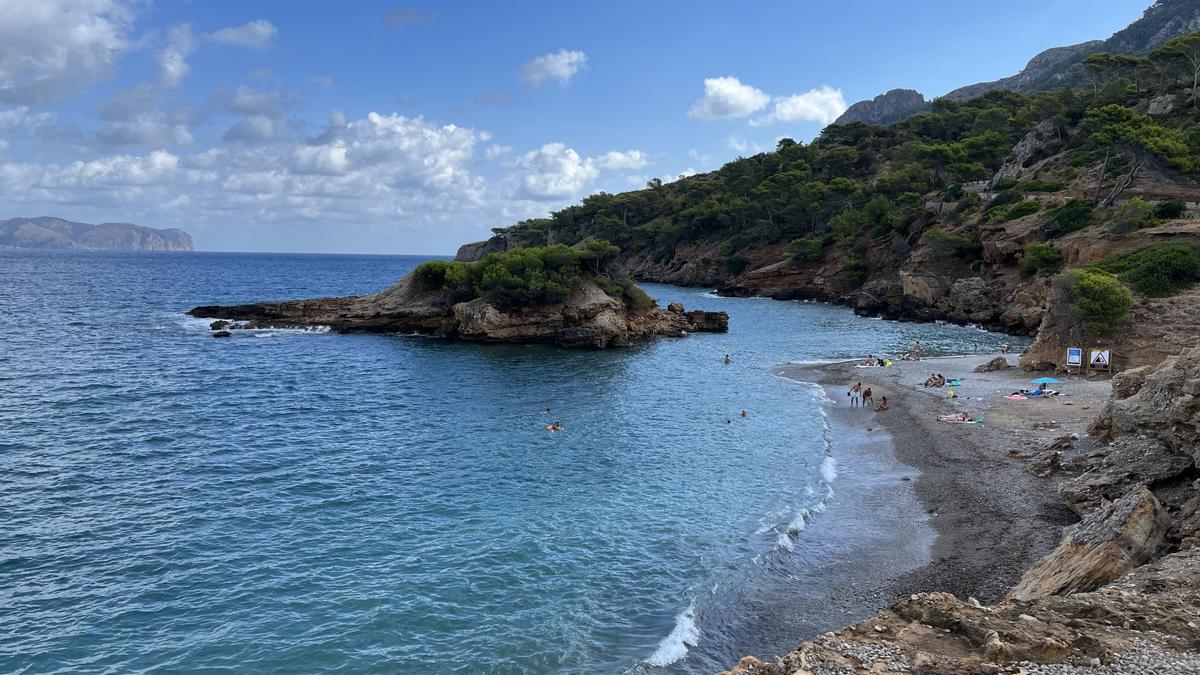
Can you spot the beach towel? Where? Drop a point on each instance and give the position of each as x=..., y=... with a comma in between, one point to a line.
x=954, y=383
x=1016, y=397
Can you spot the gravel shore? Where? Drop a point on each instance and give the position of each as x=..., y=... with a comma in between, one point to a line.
x=993, y=518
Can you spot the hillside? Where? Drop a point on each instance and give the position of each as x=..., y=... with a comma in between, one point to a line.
x=966, y=213
x=55, y=233
x=1056, y=67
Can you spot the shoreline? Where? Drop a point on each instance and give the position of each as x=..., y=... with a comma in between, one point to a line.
x=991, y=517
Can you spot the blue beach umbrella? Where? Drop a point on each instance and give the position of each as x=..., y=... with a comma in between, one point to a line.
x=1046, y=380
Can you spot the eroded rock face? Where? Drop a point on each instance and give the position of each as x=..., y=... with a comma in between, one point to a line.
x=998, y=363
x=1166, y=406
x=1107, y=543
x=588, y=318
x=1028, y=148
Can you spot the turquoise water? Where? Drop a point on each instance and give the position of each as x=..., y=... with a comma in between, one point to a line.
x=292, y=501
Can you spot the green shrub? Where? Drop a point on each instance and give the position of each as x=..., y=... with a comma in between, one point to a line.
x=1076, y=214
x=1004, y=184
x=953, y=193
x=522, y=276
x=1005, y=198
x=1039, y=257
x=804, y=251
x=609, y=286
x=1175, y=208
x=1158, y=270
x=949, y=244
x=1022, y=209
x=1100, y=301
x=855, y=266
x=1130, y=215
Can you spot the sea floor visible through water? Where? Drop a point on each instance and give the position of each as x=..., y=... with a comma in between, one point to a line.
x=287, y=500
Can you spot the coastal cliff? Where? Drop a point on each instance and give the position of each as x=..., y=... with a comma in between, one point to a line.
x=55, y=233
x=564, y=297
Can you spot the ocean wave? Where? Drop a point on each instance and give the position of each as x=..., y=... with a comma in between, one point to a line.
x=684, y=635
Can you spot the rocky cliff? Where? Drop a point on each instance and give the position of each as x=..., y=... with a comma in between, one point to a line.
x=589, y=317
x=1119, y=594
x=55, y=233
x=1059, y=66
x=885, y=108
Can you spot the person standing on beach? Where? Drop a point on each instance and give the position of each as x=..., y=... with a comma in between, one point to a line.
x=917, y=351
x=855, y=393
x=867, y=400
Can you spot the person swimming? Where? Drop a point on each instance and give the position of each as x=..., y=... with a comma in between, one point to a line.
x=556, y=426
x=726, y=359
x=745, y=414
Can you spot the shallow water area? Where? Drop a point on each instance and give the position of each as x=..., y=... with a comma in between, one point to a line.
x=302, y=500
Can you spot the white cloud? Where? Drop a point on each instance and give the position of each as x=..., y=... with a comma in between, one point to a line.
x=496, y=151
x=737, y=143
x=559, y=66
x=172, y=60
x=322, y=81
x=252, y=129
x=698, y=156
x=726, y=97
x=822, y=105
x=615, y=159
x=256, y=34
x=52, y=48
x=553, y=171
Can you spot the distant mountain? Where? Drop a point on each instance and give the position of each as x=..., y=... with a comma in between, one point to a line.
x=1053, y=68
x=55, y=233
x=884, y=109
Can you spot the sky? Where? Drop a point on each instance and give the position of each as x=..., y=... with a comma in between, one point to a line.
x=377, y=127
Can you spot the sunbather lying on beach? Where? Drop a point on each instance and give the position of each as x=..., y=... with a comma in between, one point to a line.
x=960, y=417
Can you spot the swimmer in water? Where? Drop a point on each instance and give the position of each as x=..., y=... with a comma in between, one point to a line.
x=745, y=414
x=557, y=426
x=726, y=359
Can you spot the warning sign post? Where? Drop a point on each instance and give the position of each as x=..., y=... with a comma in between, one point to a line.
x=1101, y=359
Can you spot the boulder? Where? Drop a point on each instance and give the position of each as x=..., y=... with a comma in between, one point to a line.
x=1166, y=406
x=219, y=324
x=222, y=334
x=1107, y=543
x=998, y=363
x=1130, y=382
x=1117, y=468
x=708, y=322
x=1162, y=104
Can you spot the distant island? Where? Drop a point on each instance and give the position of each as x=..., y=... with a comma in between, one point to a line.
x=49, y=233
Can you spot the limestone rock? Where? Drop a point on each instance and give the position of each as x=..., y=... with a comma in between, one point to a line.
x=998, y=363
x=1028, y=148
x=1118, y=467
x=588, y=317
x=222, y=334
x=1162, y=104
x=1107, y=543
x=886, y=108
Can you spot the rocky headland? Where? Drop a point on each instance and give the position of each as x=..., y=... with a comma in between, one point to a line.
x=57, y=234
x=592, y=313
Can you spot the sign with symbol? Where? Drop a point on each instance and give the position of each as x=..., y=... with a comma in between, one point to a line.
x=1074, y=356
x=1100, y=359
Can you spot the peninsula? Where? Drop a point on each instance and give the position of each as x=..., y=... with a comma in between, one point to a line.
x=49, y=233
x=567, y=296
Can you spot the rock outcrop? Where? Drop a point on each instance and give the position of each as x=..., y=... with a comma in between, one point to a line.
x=1107, y=543
x=55, y=233
x=886, y=108
x=588, y=318
x=998, y=363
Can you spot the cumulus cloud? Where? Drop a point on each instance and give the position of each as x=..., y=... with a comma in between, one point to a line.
x=726, y=97
x=52, y=48
x=256, y=34
x=404, y=16
x=553, y=171
x=822, y=105
x=252, y=129
x=617, y=160
x=559, y=66
x=172, y=60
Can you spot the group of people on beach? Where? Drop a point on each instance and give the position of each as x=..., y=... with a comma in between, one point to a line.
x=860, y=397
x=935, y=380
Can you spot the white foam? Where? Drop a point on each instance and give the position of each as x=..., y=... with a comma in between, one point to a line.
x=675, y=646
x=829, y=469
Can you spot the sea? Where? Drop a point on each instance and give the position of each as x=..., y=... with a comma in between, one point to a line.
x=304, y=501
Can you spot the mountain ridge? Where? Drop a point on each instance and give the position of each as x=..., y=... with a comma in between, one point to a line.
x=51, y=233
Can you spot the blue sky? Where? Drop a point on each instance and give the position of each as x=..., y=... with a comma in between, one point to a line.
x=389, y=128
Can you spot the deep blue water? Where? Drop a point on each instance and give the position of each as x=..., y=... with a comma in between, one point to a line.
x=289, y=501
